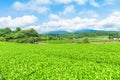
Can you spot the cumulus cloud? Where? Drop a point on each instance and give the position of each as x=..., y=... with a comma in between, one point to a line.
x=94, y=3
x=109, y=23
x=33, y=5
x=42, y=6
x=66, y=24
x=81, y=1
x=57, y=23
x=54, y=17
x=88, y=13
x=22, y=22
x=41, y=1
x=64, y=1
x=109, y=2
x=68, y=10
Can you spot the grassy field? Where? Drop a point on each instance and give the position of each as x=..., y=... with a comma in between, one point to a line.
x=57, y=41
x=59, y=61
x=79, y=40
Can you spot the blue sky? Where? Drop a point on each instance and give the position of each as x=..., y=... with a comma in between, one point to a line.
x=69, y=15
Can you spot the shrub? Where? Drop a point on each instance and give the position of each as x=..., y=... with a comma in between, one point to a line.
x=85, y=40
x=2, y=39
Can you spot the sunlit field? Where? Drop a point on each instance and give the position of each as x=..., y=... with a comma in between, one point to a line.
x=59, y=61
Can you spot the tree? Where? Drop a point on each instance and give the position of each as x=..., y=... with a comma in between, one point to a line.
x=86, y=40
x=17, y=29
x=110, y=37
x=19, y=35
x=26, y=34
x=33, y=32
x=32, y=39
x=5, y=31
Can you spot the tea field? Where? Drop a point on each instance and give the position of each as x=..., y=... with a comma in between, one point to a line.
x=59, y=61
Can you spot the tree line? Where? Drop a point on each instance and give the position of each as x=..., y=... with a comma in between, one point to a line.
x=32, y=36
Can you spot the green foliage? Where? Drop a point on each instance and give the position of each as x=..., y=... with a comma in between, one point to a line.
x=32, y=36
x=17, y=29
x=110, y=37
x=26, y=33
x=90, y=34
x=85, y=40
x=21, y=36
x=59, y=61
x=32, y=39
x=2, y=39
x=4, y=32
x=7, y=30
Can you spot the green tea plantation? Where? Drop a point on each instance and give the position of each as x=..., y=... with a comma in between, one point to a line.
x=59, y=61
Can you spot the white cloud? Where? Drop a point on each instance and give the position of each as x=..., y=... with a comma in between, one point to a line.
x=54, y=17
x=23, y=21
x=33, y=5
x=19, y=5
x=81, y=1
x=94, y=3
x=41, y=9
x=57, y=23
x=68, y=10
x=89, y=13
x=109, y=2
x=109, y=23
x=64, y=1
x=42, y=6
x=41, y=2
x=66, y=24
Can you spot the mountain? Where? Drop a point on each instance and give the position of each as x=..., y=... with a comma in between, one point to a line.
x=77, y=31
x=57, y=32
x=87, y=30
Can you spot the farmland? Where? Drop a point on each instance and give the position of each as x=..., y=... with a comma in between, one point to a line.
x=59, y=61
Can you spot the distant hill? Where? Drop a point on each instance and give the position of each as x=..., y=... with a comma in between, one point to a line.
x=66, y=32
x=56, y=32
x=87, y=30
